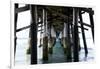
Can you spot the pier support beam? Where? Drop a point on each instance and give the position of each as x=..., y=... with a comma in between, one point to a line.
x=15, y=27
x=92, y=24
x=33, y=33
x=83, y=34
x=50, y=47
x=69, y=51
x=75, y=47
x=45, y=37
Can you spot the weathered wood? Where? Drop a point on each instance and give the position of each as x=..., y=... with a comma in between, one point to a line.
x=83, y=34
x=88, y=10
x=23, y=28
x=80, y=26
x=85, y=24
x=60, y=14
x=45, y=38
x=50, y=47
x=26, y=27
x=69, y=51
x=41, y=26
x=22, y=9
x=15, y=27
x=45, y=49
x=33, y=32
x=75, y=47
x=83, y=28
x=92, y=23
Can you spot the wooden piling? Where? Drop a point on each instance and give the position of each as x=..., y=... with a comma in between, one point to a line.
x=83, y=34
x=69, y=51
x=92, y=24
x=75, y=47
x=33, y=33
x=45, y=37
x=50, y=40
x=15, y=27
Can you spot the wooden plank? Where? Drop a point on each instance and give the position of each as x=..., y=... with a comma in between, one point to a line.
x=88, y=10
x=83, y=28
x=85, y=24
x=26, y=27
x=78, y=26
x=22, y=9
x=18, y=30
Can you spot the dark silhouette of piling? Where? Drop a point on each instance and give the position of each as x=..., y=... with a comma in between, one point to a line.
x=33, y=34
x=75, y=47
x=83, y=34
x=92, y=24
x=15, y=27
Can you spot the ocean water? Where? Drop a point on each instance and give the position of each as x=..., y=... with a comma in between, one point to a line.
x=57, y=56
